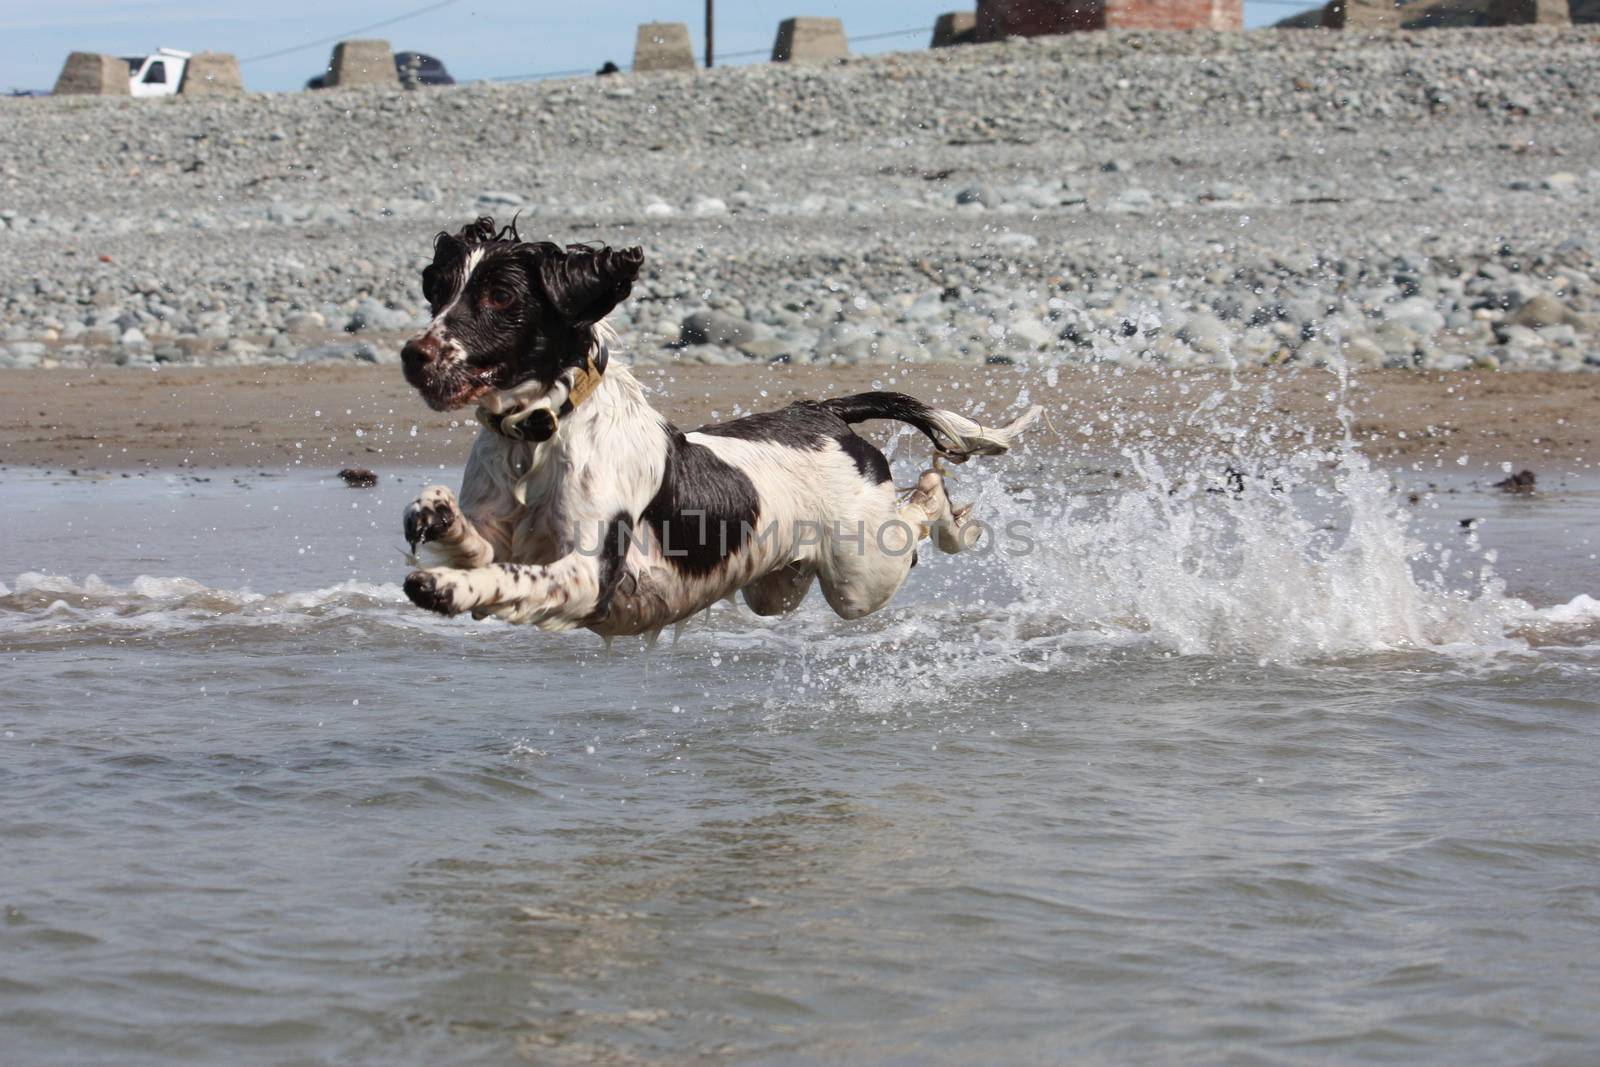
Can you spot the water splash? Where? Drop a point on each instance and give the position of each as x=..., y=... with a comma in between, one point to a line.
x=1309, y=558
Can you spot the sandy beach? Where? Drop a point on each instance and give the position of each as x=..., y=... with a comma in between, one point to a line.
x=336, y=415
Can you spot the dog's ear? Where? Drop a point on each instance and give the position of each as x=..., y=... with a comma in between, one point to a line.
x=479, y=231
x=583, y=284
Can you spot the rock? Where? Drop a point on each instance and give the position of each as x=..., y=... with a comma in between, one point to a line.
x=372, y=315
x=1522, y=483
x=358, y=477
x=1540, y=311
x=1028, y=334
x=1016, y=242
x=345, y=351
x=1133, y=200
x=1204, y=333
x=715, y=327
x=1362, y=352
x=939, y=197
x=305, y=324
x=765, y=349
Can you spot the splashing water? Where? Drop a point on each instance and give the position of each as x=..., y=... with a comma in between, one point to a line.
x=1309, y=558
x=1255, y=546
x=1275, y=569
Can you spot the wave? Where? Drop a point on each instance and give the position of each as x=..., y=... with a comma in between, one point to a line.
x=1309, y=558
x=48, y=602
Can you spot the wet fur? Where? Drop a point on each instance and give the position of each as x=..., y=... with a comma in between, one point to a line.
x=619, y=521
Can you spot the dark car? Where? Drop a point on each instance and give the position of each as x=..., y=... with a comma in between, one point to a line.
x=414, y=69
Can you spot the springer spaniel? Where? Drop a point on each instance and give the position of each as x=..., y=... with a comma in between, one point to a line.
x=582, y=506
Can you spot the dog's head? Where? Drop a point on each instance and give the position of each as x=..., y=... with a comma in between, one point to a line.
x=508, y=311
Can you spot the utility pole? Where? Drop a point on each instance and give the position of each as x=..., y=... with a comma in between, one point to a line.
x=709, y=31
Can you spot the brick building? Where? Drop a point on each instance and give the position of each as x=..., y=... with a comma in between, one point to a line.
x=1027, y=18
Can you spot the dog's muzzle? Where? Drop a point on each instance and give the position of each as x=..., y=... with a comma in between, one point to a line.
x=420, y=351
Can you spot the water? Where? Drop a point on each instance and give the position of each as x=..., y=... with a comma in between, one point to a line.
x=1302, y=774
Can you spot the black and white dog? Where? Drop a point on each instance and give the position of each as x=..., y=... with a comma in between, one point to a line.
x=582, y=506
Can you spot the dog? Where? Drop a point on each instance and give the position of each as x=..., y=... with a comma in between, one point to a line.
x=582, y=506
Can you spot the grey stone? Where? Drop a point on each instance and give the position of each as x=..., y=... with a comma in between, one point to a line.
x=765, y=349
x=1204, y=333
x=372, y=315
x=345, y=351
x=1028, y=334
x=716, y=327
x=305, y=323
x=1541, y=310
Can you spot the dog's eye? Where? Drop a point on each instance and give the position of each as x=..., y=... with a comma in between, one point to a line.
x=497, y=299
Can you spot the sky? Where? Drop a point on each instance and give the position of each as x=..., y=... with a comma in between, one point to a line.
x=475, y=38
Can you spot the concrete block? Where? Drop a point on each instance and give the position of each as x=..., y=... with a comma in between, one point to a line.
x=362, y=63
x=1404, y=14
x=953, y=28
x=1361, y=15
x=211, y=74
x=809, y=40
x=662, y=46
x=1530, y=12
x=92, y=74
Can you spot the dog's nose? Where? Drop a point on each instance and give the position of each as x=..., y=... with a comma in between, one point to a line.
x=420, y=350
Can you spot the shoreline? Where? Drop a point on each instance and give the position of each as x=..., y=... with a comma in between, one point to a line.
x=123, y=419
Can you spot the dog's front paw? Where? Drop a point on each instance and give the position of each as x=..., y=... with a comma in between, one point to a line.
x=433, y=591
x=431, y=517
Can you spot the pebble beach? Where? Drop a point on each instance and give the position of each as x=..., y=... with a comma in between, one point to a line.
x=1272, y=198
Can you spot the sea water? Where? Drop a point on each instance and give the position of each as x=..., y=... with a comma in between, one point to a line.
x=1248, y=757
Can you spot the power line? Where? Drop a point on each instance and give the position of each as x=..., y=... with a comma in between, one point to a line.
x=346, y=35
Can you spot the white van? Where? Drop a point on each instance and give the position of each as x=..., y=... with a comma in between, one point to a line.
x=157, y=75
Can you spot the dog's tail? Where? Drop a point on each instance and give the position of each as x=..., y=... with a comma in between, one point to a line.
x=953, y=435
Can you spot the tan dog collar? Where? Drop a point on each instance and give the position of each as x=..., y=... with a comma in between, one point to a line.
x=534, y=423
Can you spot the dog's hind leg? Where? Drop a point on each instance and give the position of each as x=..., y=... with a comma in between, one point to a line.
x=781, y=591
x=861, y=573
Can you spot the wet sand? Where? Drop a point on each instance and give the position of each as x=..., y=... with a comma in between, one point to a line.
x=335, y=416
